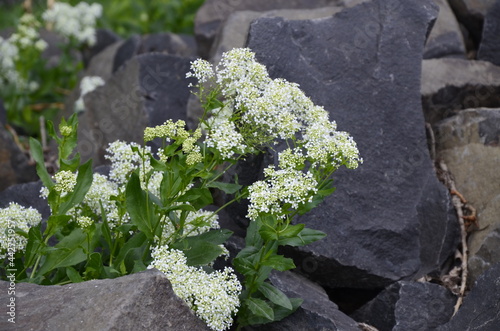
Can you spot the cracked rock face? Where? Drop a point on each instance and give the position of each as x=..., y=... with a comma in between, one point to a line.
x=390, y=219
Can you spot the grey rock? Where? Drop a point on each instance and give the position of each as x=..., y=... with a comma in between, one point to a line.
x=408, y=306
x=481, y=307
x=104, y=38
x=390, y=219
x=27, y=195
x=450, y=85
x=471, y=14
x=489, y=49
x=146, y=91
x=15, y=166
x=445, y=39
x=213, y=13
x=469, y=144
x=142, y=301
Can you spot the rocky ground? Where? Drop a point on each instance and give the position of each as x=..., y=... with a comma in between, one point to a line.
x=416, y=83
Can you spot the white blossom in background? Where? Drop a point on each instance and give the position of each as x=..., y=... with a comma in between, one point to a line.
x=9, y=53
x=77, y=22
x=11, y=217
x=213, y=297
x=87, y=85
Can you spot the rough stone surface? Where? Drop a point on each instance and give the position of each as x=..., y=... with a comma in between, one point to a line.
x=445, y=39
x=408, y=306
x=481, y=307
x=142, y=301
x=213, y=13
x=469, y=144
x=3, y=114
x=14, y=164
x=146, y=91
x=390, y=219
x=449, y=85
x=471, y=14
x=104, y=38
x=27, y=195
x=489, y=49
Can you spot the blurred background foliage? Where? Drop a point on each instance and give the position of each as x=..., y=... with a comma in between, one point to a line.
x=124, y=17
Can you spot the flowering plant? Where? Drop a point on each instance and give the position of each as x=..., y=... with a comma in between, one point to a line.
x=153, y=209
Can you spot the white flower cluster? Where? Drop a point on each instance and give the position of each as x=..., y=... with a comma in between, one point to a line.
x=11, y=217
x=213, y=297
x=258, y=110
x=25, y=37
x=77, y=22
x=283, y=189
x=87, y=85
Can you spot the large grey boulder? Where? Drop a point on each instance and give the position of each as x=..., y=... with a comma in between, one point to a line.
x=469, y=145
x=471, y=14
x=481, y=307
x=146, y=91
x=408, y=306
x=390, y=219
x=450, y=85
x=489, y=49
x=142, y=301
x=27, y=195
x=445, y=39
x=213, y=13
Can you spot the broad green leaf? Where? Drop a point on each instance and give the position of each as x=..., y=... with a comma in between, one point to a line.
x=105, y=230
x=228, y=188
x=37, y=154
x=268, y=234
x=305, y=237
x=33, y=246
x=279, y=262
x=216, y=237
x=260, y=308
x=54, y=223
x=138, y=240
x=73, y=275
x=253, y=237
x=94, y=268
x=291, y=231
x=157, y=165
x=140, y=208
x=282, y=312
x=198, y=197
x=244, y=266
x=198, y=252
x=68, y=252
x=275, y=295
x=83, y=183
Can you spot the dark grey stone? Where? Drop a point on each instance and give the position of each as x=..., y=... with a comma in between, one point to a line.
x=489, y=49
x=451, y=85
x=146, y=91
x=15, y=166
x=363, y=65
x=126, y=51
x=168, y=43
x=481, y=307
x=213, y=13
x=3, y=113
x=27, y=195
x=104, y=38
x=445, y=39
x=408, y=306
x=471, y=14
x=142, y=301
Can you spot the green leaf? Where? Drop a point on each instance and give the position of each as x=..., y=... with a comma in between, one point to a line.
x=216, y=237
x=244, y=266
x=305, y=237
x=138, y=240
x=54, y=223
x=281, y=312
x=157, y=165
x=291, y=231
x=228, y=188
x=275, y=295
x=94, y=268
x=268, y=234
x=279, y=262
x=33, y=246
x=37, y=154
x=140, y=208
x=68, y=252
x=73, y=275
x=106, y=231
x=198, y=252
x=253, y=237
x=83, y=183
x=198, y=197
x=260, y=308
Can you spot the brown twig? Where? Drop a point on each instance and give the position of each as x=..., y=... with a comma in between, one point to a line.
x=458, y=203
x=43, y=106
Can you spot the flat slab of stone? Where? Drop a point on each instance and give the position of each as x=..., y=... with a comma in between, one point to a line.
x=469, y=144
x=390, y=219
x=142, y=301
x=450, y=84
x=489, y=49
